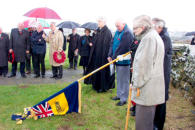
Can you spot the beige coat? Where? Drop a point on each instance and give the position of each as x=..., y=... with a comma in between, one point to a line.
x=56, y=43
x=148, y=74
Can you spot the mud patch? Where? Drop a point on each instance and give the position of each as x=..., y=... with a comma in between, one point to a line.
x=24, y=86
x=65, y=127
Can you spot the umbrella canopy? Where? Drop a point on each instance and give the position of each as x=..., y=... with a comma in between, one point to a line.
x=33, y=23
x=90, y=25
x=44, y=12
x=68, y=24
x=190, y=33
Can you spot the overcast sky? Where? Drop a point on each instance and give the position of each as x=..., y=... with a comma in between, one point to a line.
x=178, y=14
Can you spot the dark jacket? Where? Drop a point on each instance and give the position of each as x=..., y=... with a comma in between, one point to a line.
x=84, y=48
x=167, y=60
x=64, y=45
x=4, y=47
x=20, y=44
x=133, y=48
x=193, y=41
x=39, y=44
x=124, y=46
x=73, y=44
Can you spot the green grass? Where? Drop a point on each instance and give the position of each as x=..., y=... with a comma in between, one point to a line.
x=98, y=111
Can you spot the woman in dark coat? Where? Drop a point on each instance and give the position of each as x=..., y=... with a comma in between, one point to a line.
x=101, y=81
x=84, y=50
x=4, y=46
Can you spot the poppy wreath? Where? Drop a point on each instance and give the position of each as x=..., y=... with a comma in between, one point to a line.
x=55, y=57
x=11, y=57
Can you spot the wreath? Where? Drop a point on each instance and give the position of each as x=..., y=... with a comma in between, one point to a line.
x=11, y=57
x=56, y=59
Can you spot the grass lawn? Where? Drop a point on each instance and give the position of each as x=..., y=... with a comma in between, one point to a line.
x=98, y=111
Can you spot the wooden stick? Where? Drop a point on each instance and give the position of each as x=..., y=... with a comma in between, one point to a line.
x=128, y=108
x=102, y=67
x=80, y=97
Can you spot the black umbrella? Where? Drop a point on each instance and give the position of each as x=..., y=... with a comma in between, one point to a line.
x=190, y=34
x=68, y=24
x=90, y=25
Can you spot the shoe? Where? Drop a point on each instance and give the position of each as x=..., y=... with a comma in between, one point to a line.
x=132, y=108
x=28, y=72
x=121, y=103
x=36, y=76
x=23, y=76
x=4, y=75
x=43, y=76
x=115, y=98
x=12, y=75
x=100, y=91
x=133, y=113
x=75, y=68
x=54, y=76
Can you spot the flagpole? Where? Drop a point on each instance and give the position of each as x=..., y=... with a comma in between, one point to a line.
x=102, y=67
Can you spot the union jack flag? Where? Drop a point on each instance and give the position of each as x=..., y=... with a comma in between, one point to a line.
x=43, y=110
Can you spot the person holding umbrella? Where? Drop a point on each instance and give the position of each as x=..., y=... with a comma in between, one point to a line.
x=73, y=40
x=19, y=44
x=55, y=39
x=4, y=48
x=84, y=49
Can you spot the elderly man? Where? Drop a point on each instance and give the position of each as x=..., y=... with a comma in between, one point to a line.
x=122, y=41
x=148, y=73
x=4, y=48
x=73, y=40
x=55, y=39
x=39, y=50
x=19, y=44
x=101, y=81
x=160, y=114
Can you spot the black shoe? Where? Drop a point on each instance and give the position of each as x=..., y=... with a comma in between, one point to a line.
x=75, y=68
x=121, y=103
x=132, y=108
x=100, y=91
x=4, y=75
x=12, y=75
x=43, y=76
x=115, y=98
x=23, y=76
x=132, y=113
x=36, y=76
x=54, y=76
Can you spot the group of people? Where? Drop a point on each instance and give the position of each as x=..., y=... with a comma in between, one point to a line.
x=147, y=68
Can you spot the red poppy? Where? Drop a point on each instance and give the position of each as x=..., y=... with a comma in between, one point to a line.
x=56, y=59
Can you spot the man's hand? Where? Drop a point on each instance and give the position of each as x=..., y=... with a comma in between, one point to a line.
x=109, y=59
x=10, y=50
x=44, y=36
x=39, y=40
x=27, y=52
x=90, y=44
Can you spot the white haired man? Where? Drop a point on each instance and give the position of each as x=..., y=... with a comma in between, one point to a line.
x=101, y=81
x=148, y=73
x=56, y=40
x=122, y=41
x=19, y=44
x=160, y=114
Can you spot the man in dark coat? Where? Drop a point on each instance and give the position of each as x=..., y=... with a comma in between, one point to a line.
x=160, y=114
x=39, y=50
x=193, y=41
x=73, y=40
x=101, y=81
x=64, y=45
x=122, y=40
x=19, y=44
x=84, y=50
x=4, y=48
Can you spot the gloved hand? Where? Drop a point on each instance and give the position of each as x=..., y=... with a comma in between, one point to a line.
x=120, y=58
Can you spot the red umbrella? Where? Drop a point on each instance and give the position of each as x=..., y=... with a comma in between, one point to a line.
x=44, y=12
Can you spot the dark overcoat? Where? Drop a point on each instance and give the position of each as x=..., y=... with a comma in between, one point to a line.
x=4, y=46
x=19, y=42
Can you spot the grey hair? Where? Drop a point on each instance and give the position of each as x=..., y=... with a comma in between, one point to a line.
x=120, y=20
x=158, y=22
x=143, y=20
x=103, y=19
